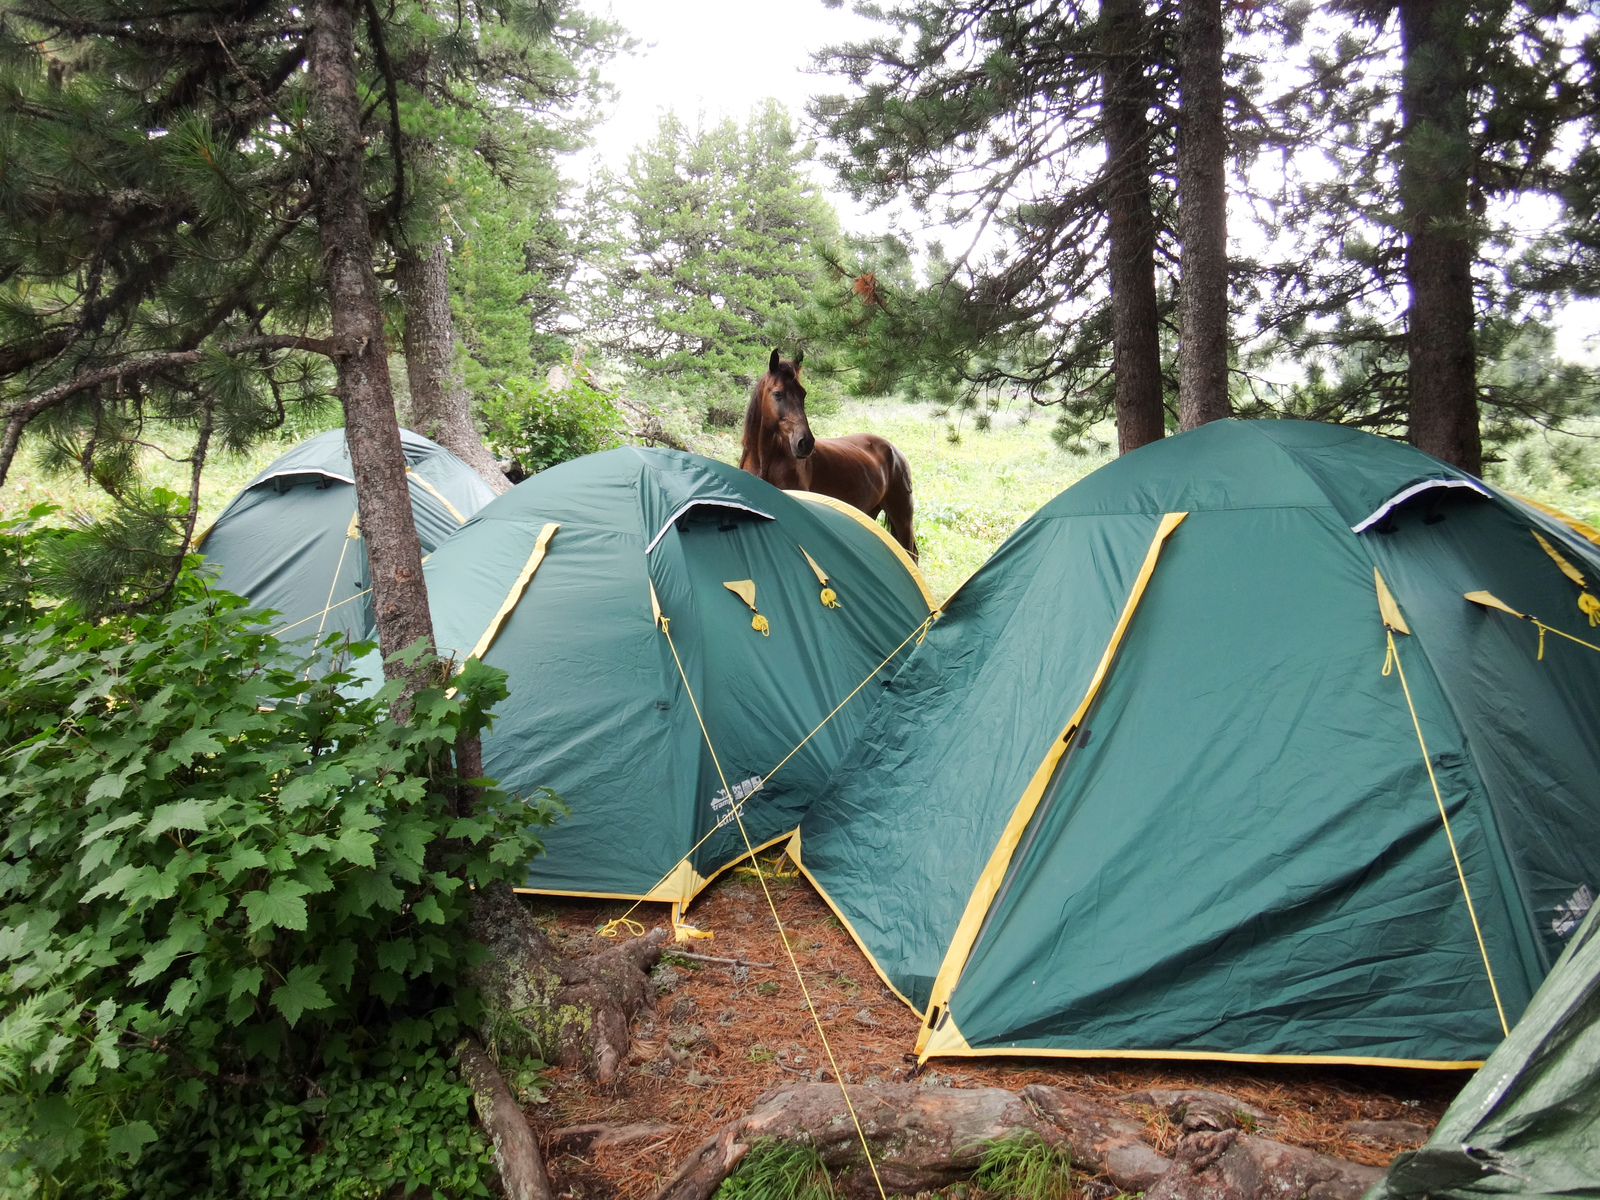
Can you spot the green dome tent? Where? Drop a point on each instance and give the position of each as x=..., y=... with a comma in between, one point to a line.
x=290, y=541
x=1153, y=786
x=1528, y=1124
x=778, y=608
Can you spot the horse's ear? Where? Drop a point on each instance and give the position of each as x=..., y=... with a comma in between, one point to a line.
x=799, y=357
x=772, y=363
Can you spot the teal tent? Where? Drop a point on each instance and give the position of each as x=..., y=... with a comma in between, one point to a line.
x=779, y=608
x=291, y=541
x=1157, y=785
x=1528, y=1124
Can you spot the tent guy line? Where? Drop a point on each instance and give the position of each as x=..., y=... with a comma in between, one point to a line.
x=1394, y=623
x=609, y=929
x=783, y=937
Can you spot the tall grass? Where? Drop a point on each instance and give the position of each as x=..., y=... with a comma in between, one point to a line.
x=778, y=1170
x=1024, y=1167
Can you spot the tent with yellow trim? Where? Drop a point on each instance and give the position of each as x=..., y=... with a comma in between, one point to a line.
x=291, y=540
x=633, y=594
x=1215, y=758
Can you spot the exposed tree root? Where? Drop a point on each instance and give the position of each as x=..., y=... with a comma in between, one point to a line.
x=574, y=1011
x=516, y=1154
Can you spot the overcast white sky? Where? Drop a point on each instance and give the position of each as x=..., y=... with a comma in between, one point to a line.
x=720, y=56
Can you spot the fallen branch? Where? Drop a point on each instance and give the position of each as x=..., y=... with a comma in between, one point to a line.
x=1101, y=1138
x=711, y=958
x=921, y=1138
x=577, y=1139
x=516, y=1154
x=133, y=367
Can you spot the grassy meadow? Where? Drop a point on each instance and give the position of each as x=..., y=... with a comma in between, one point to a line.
x=972, y=489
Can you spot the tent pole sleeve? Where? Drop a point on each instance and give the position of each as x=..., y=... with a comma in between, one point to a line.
x=517, y=588
x=955, y=958
x=413, y=477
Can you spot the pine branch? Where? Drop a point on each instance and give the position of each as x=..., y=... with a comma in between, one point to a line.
x=135, y=366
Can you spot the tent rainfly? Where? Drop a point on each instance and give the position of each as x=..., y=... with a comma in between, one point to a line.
x=291, y=540
x=1526, y=1124
x=1270, y=741
x=602, y=586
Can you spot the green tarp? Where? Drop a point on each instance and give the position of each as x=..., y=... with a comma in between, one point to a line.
x=1528, y=1124
x=290, y=541
x=598, y=711
x=1236, y=850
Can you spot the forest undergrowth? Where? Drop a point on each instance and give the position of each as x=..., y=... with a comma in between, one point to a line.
x=973, y=486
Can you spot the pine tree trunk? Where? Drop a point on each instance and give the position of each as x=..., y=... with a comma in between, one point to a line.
x=1202, y=220
x=1136, y=346
x=400, y=598
x=440, y=406
x=1434, y=179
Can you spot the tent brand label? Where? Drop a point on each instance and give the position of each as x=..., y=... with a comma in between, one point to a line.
x=741, y=791
x=1568, y=915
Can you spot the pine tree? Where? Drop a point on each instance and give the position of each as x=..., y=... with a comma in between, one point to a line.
x=1202, y=219
x=1033, y=122
x=166, y=258
x=1436, y=120
x=715, y=253
x=489, y=161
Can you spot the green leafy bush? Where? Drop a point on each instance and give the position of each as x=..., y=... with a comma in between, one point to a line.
x=232, y=913
x=540, y=424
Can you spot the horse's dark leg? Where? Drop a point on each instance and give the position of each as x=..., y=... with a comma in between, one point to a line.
x=897, y=503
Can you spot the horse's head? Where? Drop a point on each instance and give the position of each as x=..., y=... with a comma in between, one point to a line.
x=781, y=398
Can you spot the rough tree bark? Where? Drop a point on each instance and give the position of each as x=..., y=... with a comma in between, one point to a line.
x=440, y=406
x=1202, y=220
x=1127, y=95
x=576, y=1010
x=1434, y=181
x=922, y=1138
x=516, y=1154
x=400, y=598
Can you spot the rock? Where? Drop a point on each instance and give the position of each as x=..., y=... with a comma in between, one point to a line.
x=1405, y=1133
x=667, y=979
x=1228, y=1165
x=1100, y=1138
x=1196, y=1108
x=680, y=1036
x=865, y=1017
x=921, y=1138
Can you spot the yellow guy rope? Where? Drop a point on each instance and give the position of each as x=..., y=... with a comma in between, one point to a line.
x=1489, y=600
x=323, y=613
x=1392, y=621
x=353, y=532
x=609, y=929
x=778, y=921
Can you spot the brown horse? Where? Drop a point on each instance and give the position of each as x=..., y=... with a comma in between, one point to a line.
x=862, y=469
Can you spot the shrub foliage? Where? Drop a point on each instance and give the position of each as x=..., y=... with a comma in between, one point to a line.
x=232, y=912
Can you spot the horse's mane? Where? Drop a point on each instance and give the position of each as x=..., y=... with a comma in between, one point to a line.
x=750, y=440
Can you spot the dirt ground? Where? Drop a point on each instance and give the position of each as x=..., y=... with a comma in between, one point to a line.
x=724, y=1035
